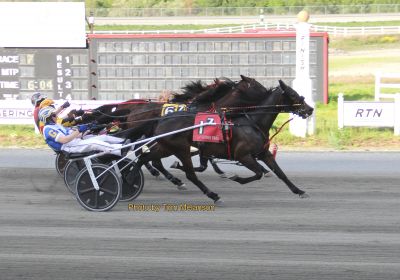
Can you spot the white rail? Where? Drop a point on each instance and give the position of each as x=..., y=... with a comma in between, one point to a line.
x=381, y=88
x=288, y=26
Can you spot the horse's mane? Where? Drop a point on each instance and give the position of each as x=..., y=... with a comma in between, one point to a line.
x=190, y=91
x=198, y=92
x=214, y=94
x=255, y=91
x=136, y=100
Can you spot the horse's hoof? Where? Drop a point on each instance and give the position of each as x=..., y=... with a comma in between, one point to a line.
x=175, y=164
x=215, y=197
x=223, y=175
x=304, y=195
x=182, y=187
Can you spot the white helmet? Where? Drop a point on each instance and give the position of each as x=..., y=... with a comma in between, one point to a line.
x=37, y=97
x=46, y=113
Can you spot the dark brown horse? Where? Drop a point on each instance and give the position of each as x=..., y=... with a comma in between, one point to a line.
x=250, y=134
x=201, y=97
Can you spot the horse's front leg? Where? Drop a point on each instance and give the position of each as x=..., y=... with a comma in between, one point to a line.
x=251, y=163
x=269, y=160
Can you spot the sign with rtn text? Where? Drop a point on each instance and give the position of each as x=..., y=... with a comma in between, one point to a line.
x=369, y=113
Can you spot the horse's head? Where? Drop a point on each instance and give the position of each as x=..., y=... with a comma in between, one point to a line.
x=300, y=107
x=251, y=89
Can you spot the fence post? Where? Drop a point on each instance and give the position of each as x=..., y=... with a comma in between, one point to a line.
x=377, y=85
x=397, y=114
x=340, y=110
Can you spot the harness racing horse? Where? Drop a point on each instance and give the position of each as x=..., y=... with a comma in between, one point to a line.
x=198, y=96
x=250, y=136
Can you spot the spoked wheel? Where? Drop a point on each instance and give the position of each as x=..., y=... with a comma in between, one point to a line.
x=70, y=173
x=132, y=180
x=98, y=200
x=61, y=163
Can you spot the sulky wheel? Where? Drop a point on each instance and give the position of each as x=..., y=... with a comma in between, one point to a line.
x=71, y=171
x=132, y=180
x=98, y=200
x=61, y=163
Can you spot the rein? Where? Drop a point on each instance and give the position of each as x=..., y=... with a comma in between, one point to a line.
x=123, y=116
x=228, y=109
x=267, y=143
x=212, y=108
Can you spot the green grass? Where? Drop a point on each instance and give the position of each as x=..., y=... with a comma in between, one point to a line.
x=20, y=136
x=361, y=61
x=365, y=42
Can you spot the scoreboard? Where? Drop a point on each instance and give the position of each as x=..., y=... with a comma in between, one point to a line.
x=58, y=73
x=121, y=67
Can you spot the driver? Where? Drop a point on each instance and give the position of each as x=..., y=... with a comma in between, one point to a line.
x=61, y=138
x=36, y=99
x=40, y=101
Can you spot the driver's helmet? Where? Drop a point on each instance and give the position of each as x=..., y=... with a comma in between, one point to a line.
x=45, y=114
x=46, y=102
x=37, y=97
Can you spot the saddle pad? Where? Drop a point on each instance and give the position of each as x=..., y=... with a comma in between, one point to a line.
x=171, y=107
x=209, y=133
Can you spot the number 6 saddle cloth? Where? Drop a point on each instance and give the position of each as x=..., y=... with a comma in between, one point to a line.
x=169, y=108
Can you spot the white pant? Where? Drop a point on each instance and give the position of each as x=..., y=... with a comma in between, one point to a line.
x=106, y=138
x=103, y=143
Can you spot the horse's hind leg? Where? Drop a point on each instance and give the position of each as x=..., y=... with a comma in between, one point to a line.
x=217, y=169
x=155, y=155
x=151, y=169
x=251, y=163
x=203, y=163
x=201, y=168
x=191, y=175
x=265, y=171
x=158, y=164
x=222, y=174
x=269, y=160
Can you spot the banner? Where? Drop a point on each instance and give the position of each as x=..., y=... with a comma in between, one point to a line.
x=21, y=111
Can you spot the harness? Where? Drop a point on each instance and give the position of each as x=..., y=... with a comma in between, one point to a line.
x=227, y=133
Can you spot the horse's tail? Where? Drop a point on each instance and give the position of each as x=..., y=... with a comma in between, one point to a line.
x=145, y=129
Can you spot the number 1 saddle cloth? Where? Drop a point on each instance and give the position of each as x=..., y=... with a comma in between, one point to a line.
x=211, y=132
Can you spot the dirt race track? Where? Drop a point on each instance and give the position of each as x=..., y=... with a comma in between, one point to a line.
x=348, y=229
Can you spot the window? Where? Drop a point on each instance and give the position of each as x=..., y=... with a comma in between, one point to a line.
x=276, y=46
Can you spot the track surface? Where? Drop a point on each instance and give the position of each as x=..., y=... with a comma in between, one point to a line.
x=348, y=229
